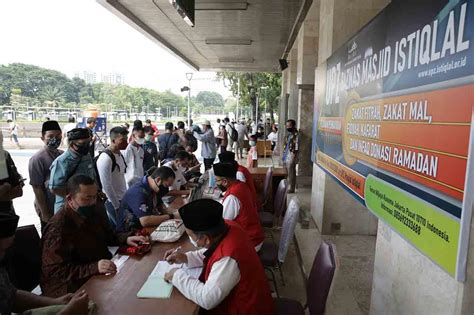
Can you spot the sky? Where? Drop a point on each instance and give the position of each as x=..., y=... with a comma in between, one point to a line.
x=81, y=35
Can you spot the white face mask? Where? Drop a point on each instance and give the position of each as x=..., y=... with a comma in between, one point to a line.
x=140, y=140
x=195, y=244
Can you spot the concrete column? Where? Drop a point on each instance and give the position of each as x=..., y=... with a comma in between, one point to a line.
x=283, y=111
x=292, y=85
x=307, y=61
x=334, y=210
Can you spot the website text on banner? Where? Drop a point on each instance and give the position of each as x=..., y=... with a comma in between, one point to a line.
x=393, y=123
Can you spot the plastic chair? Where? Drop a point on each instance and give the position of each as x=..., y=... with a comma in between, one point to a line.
x=267, y=185
x=273, y=257
x=267, y=219
x=319, y=284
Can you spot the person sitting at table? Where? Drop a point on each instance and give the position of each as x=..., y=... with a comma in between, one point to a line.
x=238, y=204
x=232, y=280
x=243, y=174
x=19, y=301
x=75, y=240
x=179, y=165
x=142, y=205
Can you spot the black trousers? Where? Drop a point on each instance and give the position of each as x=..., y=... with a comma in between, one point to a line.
x=208, y=163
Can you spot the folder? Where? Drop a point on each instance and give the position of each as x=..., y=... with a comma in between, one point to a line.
x=155, y=287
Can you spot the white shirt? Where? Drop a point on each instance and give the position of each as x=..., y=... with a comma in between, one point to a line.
x=68, y=127
x=179, y=180
x=113, y=183
x=241, y=130
x=13, y=128
x=134, y=158
x=241, y=177
x=231, y=207
x=228, y=128
x=273, y=136
x=231, y=210
x=224, y=276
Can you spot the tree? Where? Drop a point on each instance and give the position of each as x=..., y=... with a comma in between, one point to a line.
x=52, y=95
x=250, y=87
x=208, y=98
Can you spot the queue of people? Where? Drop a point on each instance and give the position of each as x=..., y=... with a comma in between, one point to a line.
x=86, y=203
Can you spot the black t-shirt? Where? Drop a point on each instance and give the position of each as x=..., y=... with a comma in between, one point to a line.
x=13, y=179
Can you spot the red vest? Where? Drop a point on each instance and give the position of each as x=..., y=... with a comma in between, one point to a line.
x=250, y=183
x=251, y=296
x=248, y=216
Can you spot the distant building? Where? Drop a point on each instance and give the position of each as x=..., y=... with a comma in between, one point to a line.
x=88, y=77
x=113, y=78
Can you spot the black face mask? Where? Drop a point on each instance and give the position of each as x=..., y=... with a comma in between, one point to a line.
x=289, y=129
x=83, y=149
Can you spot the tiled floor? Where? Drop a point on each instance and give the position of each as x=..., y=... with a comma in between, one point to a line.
x=352, y=285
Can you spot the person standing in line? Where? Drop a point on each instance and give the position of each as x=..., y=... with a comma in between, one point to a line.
x=91, y=123
x=13, y=129
x=76, y=160
x=111, y=167
x=179, y=166
x=156, y=133
x=39, y=170
x=166, y=140
x=222, y=139
x=151, y=150
x=208, y=149
x=273, y=137
x=252, y=157
x=134, y=155
x=290, y=153
x=11, y=185
x=228, y=128
x=240, y=143
x=69, y=126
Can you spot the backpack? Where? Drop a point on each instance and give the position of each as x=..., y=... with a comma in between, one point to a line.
x=234, y=135
x=114, y=164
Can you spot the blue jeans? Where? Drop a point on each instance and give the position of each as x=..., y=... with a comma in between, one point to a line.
x=111, y=214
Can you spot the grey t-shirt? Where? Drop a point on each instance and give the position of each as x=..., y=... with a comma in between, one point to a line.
x=39, y=170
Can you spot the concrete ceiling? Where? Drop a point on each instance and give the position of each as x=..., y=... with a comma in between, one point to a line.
x=252, y=39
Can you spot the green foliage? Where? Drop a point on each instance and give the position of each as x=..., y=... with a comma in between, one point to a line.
x=24, y=85
x=208, y=98
x=250, y=87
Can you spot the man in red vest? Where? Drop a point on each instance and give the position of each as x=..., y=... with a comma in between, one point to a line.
x=239, y=206
x=243, y=174
x=232, y=281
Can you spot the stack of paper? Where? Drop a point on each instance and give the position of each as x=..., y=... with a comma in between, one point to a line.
x=156, y=287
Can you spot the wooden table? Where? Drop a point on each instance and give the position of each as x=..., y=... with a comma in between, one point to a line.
x=259, y=174
x=117, y=294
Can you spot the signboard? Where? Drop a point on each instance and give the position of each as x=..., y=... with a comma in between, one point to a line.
x=393, y=123
x=101, y=124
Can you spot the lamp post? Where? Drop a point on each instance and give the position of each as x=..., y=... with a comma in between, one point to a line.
x=264, y=129
x=189, y=76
